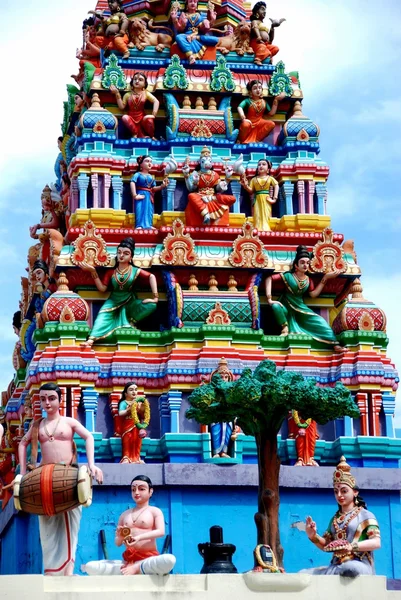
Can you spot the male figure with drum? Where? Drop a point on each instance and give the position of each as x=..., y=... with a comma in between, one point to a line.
x=58, y=532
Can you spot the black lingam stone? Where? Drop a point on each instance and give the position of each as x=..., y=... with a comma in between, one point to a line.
x=217, y=556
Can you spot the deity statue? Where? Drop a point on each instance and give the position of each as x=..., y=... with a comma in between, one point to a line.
x=137, y=123
x=143, y=35
x=221, y=434
x=137, y=529
x=52, y=223
x=291, y=312
x=59, y=532
x=259, y=187
x=304, y=432
x=134, y=411
x=122, y=308
x=112, y=33
x=143, y=187
x=353, y=533
x=207, y=205
x=254, y=128
x=261, y=34
x=6, y=462
x=194, y=29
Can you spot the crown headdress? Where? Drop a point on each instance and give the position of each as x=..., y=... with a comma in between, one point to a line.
x=205, y=151
x=342, y=474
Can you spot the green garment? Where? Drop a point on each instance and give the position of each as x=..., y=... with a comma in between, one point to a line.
x=300, y=318
x=121, y=309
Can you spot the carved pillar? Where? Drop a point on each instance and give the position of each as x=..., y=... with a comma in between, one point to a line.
x=174, y=400
x=117, y=184
x=286, y=191
x=75, y=400
x=362, y=402
x=388, y=400
x=375, y=406
x=89, y=400
x=36, y=407
x=164, y=413
x=168, y=195
x=74, y=195
x=114, y=400
x=107, y=184
x=311, y=194
x=321, y=191
x=301, y=196
x=83, y=183
x=63, y=403
x=95, y=188
x=236, y=191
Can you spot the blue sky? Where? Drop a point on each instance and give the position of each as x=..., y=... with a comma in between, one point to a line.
x=347, y=53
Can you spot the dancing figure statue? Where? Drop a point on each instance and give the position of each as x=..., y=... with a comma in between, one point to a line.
x=134, y=410
x=353, y=532
x=291, y=312
x=143, y=187
x=122, y=308
x=254, y=127
x=137, y=529
x=194, y=29
x=136, y=121
x=207, y=205
x=262, y=35
x=259, y=187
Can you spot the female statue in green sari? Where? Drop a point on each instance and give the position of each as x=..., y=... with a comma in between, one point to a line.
x=122, y=308
x=291, y=312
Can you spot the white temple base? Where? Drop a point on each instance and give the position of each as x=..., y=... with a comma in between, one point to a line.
x=197, y=587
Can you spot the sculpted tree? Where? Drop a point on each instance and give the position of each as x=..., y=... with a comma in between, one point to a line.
x=260, y=401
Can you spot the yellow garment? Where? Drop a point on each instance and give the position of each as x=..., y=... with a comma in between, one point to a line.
x=262, y=208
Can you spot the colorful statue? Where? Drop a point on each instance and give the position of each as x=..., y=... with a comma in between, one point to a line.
x=134, y=411
x=353, y=533
x=143, y=186
x=206, y=207
x=259, y=187
x=139, y=124
x=254, y=128
x=142, y=35
x=112, y=34
x=137, y=530
x=58, y=533
x=237, y=40
x=291, y=312
x=122, y=308
x=52, y=223
x=221, y=434
x=194, y=29
x=262, y=35
x=304, y=432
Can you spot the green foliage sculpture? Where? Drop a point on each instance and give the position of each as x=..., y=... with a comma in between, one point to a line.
x=260, y=401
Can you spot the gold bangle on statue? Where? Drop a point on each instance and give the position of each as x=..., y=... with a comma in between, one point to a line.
x=355, y=547
x=315, y=539
x=156, y=295
x=94, y=275
x=269, y=296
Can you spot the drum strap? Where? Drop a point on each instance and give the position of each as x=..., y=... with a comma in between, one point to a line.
x=34, y=444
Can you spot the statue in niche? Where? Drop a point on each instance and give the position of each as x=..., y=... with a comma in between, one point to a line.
x=193, y=29
x=254, y=127
x=52, y=222
x=304, y=432
x=122, y=308
x=291, y=312
x=143, y=34
x=136, y=121
x=134, y=414
x=143, y=187
x=259, y=187
x=262, y=35
x=206, y=204
x=221, y=434
x=113, y=31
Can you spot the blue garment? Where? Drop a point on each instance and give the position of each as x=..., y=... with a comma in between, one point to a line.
x=220, y=434
x=144, y=209
x=197, y=46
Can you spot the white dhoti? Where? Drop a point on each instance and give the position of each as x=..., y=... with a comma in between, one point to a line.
x=59, y=538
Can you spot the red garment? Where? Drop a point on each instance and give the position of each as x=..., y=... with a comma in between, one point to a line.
x=133, y=555
x=217, y=209
x=305, y=439
x=138, y=124
x=263, y=50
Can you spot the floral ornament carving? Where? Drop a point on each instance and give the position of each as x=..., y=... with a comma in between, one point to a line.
x=280, y=81
x=175, y=75
x=248, y=249
x=221, y=78
x=113, y=75
x=218, y=316
x=179, y=247
x=90, y=248
x=328, y=256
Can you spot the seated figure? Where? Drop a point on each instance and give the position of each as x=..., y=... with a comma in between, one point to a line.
x=194, y=30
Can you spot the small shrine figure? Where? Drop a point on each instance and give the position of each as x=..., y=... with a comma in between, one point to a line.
x=134, y=410
x=58, y=533
x=262, y=35
x=137, y=122
x=207, y=206
x=259, y=187
x=222, y=434
x=352, y=534
x=52, y=223
x=304, y=432
x=122, y=308
x=254, y=128
x=291, y=312
x=143, y=187
x=137, y=529
x=194, y=29
x=112, y=34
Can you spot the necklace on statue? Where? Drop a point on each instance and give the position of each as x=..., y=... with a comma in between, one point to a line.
x=123, y=276
x=138, y=515
x=340, y=523
x=301, y=283
x=51, y=435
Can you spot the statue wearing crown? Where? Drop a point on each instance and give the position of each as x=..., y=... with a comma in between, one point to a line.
x=208, y=204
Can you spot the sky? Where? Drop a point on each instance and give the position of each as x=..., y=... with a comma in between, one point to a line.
x=347, y=54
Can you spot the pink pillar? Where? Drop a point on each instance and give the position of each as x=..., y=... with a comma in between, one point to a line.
x=374, y=411
x=362, y=402
x=114, y=400
x=74, y=195
x=75, y=400
x=107, y=184
x=311, y=193
x=95, y=187
x=301, y=196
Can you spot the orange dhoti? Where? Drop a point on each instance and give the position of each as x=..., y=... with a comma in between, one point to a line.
x=217, y=209
x=263, y=50
x=133, y=555
x=305, y=440
x=119, y=43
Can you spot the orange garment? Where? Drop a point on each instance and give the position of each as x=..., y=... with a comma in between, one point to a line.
x=258, y=128
x=138, y=124
x=119, y=43
x=305, y=439
x=263, y=50
x=133, y=555
x=217, y=208
x=130, y=439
